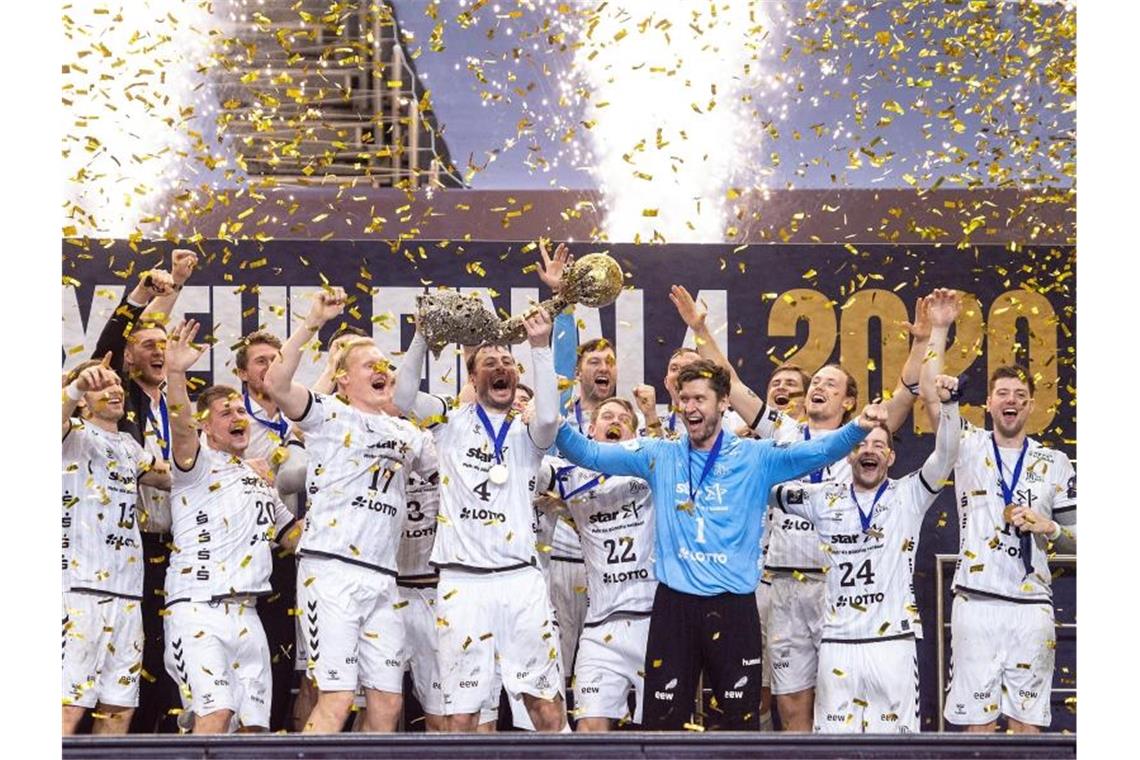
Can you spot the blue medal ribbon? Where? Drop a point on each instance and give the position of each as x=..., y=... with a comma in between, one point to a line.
x=563, y=472
x=163, y=435
x=496, y=438
x=281, y=427
x=817, y=476
x=865, y=518
x=1008, y=494
x=713, y=454
x=578, y=415
x=672, y=422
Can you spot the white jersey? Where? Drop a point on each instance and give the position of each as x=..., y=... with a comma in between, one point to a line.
x=614, y=517
x=792, y=543
x=484, y=525
x=225, y=517
x=870, y=584
x=102, y=549
x=266, y=436
x=358, y=469
x=563, y=540
x=420, y=524
x=153, y=503
x=989, y=558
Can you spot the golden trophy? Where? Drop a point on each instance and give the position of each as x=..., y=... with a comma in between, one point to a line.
x=448, y=317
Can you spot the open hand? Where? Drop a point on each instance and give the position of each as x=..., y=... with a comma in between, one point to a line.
x=550, y=270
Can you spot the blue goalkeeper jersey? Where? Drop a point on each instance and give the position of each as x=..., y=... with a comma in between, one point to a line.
x=708, y=531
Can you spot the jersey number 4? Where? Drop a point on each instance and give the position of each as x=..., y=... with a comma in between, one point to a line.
x=864, y=573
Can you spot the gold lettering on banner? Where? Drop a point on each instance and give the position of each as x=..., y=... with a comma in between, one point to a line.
x=819, y=311
x=1002, y=347
x=855, y=351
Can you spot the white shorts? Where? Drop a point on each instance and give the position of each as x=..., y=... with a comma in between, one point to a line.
x=611, y=661
x=301, y=660
x=503, y=617
x=867, y=687
x=354, y=630
x=764, y=607
x=567, y=582
x=795, y=627
x=1001, y=661
x=218, y=655
x=420, y=646
x=102, y=650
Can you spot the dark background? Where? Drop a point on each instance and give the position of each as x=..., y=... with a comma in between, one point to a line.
x=746, y=273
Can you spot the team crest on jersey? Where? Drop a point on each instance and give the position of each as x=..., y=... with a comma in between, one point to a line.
x=794, y=496
x=1072, y=487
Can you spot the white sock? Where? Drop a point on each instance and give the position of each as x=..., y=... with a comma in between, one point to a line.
x=766, y=721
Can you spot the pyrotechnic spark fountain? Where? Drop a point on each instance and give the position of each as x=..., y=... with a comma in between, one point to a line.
x=666, y=91
x=139, y=112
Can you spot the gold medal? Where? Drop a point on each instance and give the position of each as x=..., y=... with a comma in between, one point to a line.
x=498, y=474
x=685, y=506
x=1007, y=513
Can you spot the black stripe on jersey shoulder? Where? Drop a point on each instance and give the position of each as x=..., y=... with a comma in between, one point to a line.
x=287, y=527
x=780, y=496
x=443, y=418
x=922, y=479
x=481, y=570
x=991, y=595
x=1065, y=508
x=759, y=415
x=104, y=592
x=193, y=462
x=535, y=443
x=308, y=408
x=70, y=427
x=782, y=569
x=349, y=560
x=295, y=442
x=874, y=640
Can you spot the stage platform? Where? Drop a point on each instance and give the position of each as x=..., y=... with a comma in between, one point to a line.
x=594, y=746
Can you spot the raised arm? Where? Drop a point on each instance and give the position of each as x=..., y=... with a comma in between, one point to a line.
x=797, y=499
x=181, y=353
x=744, y=400
x=290, y=396
x=160, y=308
x=906, y=391
x=795, y=460
x=938, y=466
x=113, y=338
x=467, y=393
x=627, y=458
x=91, y=380
x=543, y=426
x=645, y=396
x=156, y=474
x=326, y=383
x=564, y=340
x=407, y=396
x=943, y=307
